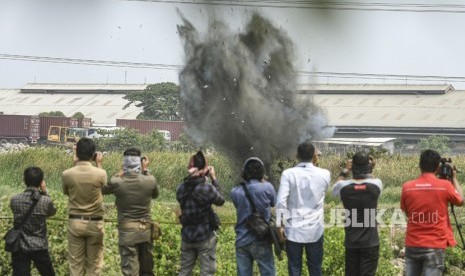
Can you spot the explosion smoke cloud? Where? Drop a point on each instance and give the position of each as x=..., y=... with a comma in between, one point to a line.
x=239, y=92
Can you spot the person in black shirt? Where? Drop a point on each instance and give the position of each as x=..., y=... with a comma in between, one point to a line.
x=359, y=196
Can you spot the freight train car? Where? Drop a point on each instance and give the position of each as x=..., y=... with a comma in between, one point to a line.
x=19, y=129
x=32, y=129
x=175, y=128
x=47, y=121
x=84, y=122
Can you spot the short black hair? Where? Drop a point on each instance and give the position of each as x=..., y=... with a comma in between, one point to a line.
x=361, y=165
x=305, y=152
x=33, y=176
x=85, y=149
x=199, y=160
x=429, y=161
x=132, y=152
x=253, y=169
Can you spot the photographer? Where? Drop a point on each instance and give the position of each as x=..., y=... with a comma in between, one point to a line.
x=196, y=196
x=33, y=245
x=249, y=247
x=83, y=185
x=425, y=201
x=359, y=196
x=134, y=188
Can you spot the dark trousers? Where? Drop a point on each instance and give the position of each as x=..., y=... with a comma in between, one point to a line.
x=314, y=251
x=424, y=261
x=41, y=259
x=362, y=261
x=145, y=255
x=137, y=259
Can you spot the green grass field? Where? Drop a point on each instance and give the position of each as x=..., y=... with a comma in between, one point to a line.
x=169, y=168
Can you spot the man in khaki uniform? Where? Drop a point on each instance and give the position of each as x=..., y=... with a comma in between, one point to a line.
x=134, y=190
x=83, y=185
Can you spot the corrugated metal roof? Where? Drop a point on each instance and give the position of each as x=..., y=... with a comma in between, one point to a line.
x=400, y=110
x=81, y=88
x=102, y=108
x=409, y=110
x=374, y=88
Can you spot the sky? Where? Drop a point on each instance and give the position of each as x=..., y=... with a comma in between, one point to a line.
x=119, y=41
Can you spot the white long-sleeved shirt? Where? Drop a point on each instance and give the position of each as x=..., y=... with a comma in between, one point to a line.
x=300, y=202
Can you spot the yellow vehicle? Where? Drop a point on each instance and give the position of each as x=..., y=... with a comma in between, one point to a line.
x=64, y=136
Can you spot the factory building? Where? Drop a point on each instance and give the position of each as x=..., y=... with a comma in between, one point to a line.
x=404, y=112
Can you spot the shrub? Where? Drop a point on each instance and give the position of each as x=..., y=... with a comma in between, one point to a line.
x=438, y=143
x=169, y=168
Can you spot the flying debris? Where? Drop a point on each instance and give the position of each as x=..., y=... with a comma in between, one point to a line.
x=239, y=92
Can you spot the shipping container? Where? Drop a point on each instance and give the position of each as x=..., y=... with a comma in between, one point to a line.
x=176, y=128
x=19, y=128
x=84, y=122
x=46, y=122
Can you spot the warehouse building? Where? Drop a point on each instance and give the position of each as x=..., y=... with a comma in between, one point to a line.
x=102, y=102
x=407, y=112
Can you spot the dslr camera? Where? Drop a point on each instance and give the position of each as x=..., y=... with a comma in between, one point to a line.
x=445, y=168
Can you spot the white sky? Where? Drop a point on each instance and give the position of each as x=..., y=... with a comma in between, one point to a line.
x=325, y=40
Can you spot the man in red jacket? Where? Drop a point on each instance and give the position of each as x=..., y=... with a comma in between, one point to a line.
x=425, y=201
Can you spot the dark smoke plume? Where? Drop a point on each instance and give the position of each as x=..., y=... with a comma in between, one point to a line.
x=238, y=92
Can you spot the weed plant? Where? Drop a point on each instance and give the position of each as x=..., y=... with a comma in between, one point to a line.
x=170, y=168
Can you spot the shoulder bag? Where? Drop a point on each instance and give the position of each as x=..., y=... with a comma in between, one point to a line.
x=13, y=236
x=255, y=222
x=261, y=228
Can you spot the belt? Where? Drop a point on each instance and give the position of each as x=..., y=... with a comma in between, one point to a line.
x=143, y=224
x=85, y=217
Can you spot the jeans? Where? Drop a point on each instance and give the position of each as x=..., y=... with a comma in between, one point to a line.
x=261, y=252
x=137, y=259
x=362, y=261
x=85, y=247
x=205, y=251
x=430, y=261
x=41, y=260
x=314, y=251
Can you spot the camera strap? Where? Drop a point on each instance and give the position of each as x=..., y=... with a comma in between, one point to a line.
x=29, y=212
x=249, y=197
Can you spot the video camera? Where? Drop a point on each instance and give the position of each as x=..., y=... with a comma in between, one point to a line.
x=445, y=168
x=445, y=172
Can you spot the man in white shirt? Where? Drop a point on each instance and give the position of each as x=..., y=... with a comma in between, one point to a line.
x=300, y=203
